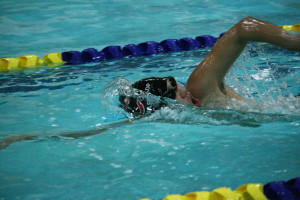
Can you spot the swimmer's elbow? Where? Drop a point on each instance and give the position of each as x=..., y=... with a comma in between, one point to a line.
x=243, y=28
x=248, y=20
x=247, y=25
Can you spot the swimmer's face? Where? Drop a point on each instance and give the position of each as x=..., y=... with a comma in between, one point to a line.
x=181, y=93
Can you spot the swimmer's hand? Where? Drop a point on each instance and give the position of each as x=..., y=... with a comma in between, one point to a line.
x=7, y=141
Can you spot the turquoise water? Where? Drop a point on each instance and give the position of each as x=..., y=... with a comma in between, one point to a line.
x=171, y=151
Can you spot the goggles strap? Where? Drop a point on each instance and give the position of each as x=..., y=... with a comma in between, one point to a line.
x=141, y=106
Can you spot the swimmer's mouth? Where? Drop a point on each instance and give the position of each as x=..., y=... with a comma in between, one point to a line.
x=196, y=101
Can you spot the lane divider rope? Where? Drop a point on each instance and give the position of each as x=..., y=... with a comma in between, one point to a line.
x=91, y=55
x=278, y=190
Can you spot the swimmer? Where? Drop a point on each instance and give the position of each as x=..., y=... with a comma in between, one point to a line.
x=205, y=87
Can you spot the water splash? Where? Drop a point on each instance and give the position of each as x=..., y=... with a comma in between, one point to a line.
x=261, y=75
x=111, y=92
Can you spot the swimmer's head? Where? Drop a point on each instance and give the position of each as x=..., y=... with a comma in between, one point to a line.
x=139, y=105
x=165, y=87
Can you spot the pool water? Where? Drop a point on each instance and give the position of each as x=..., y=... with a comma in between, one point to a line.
x=175, y=150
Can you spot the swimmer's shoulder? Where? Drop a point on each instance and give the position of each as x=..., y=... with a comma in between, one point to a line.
x=226, y=98
x=215, y=100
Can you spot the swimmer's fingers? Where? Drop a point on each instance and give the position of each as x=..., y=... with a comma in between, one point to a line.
x=7, y=141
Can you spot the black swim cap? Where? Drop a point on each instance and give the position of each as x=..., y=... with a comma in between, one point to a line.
x=139, y=105
x=157, y=86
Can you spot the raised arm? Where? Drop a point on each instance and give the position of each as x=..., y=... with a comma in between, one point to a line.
x=209, y=75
